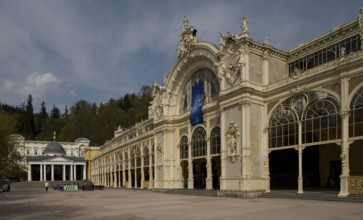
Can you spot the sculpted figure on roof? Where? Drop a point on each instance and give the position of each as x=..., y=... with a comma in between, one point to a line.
x=188, y=38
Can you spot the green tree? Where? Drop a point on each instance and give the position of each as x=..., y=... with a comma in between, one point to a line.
x=9, y=157
x=27, y=121
x=55, y=113
x=41, y=117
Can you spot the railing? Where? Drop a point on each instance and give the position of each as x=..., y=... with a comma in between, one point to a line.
x=356, y=185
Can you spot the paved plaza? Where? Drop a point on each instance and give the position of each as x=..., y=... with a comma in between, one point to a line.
x=129, y=204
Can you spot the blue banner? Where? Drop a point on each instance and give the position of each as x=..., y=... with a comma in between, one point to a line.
x=196, y=114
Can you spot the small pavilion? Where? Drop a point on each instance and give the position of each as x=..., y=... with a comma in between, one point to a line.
x=54, y=165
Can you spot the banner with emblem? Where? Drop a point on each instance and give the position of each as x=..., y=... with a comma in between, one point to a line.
x=196, y=114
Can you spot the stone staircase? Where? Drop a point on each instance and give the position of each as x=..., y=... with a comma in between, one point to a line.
x=37, y=184
x=319, y=195
x=196, y=192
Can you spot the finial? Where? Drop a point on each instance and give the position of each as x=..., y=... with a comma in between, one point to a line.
x=54, y=134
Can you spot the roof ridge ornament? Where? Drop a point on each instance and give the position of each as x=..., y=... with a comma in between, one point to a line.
x=188, y=38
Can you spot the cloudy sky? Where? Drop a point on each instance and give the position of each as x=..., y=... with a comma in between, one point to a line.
x=62, y=51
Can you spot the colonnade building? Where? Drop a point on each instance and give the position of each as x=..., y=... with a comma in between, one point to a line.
x=245, y=117
x=52, y=160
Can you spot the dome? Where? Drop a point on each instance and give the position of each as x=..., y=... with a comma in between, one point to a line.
x=54, y=148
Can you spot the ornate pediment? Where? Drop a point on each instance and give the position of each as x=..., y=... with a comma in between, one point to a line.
x=188, y=39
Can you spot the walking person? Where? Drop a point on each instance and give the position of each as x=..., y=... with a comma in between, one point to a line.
x=46, y=186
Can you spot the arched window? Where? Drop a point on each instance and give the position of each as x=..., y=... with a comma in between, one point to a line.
x=318, y=113
x=199, y=144
x=215, y=141
x=138, y=156
x=132, y=162
x=184, y=148
x=126, y=160
x=211, y=88
x=321, y=121
x=356, y=115
x=146, y=156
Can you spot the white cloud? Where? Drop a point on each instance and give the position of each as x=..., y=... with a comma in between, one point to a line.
x=73, y=93
x=39, y=85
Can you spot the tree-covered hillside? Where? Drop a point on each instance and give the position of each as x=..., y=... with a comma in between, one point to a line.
x=82, y=119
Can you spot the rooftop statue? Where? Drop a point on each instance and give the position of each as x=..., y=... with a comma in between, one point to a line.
x=187, y=38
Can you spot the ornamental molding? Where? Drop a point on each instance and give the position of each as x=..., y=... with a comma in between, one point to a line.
x=187, y=39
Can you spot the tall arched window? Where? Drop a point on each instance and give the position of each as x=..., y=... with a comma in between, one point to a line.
x=184, y=147
x=138, y=156
x=199, y=144
x=133, y=158
x=146, y=156
x=211, y=88
x=356, y=115
x=321, y=121
x=126, y=160
x=215, y=141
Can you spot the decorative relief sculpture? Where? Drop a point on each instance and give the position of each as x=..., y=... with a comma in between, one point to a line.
x=229, y=68
x=187, y=39
x=227, y=44
x=159, y=154
x=232, y=137
x=157, y=103
x=232, y=73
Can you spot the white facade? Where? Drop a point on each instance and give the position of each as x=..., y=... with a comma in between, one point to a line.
x=272, y=118
x=51, y=167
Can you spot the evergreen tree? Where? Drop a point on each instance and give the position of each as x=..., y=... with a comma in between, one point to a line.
x=27, y=126
x=41, y=117
x=55, y=113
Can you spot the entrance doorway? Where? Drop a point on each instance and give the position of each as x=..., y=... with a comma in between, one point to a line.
x=200, y=173
x=216, y=172
x=185, y=173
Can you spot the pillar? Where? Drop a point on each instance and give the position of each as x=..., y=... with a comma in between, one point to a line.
x=45, y=172
x=129, y=169
x=223, y=149
x=300, y=177
x=135, y=166
x=41, y=172
x=84, y=172
x=209, y=183
x=29, y=172
x=71, y=172
x=75, y=172
x=142, y=168
x=344, y=156
x=151, y=177
x=64, y=172
x=52, y=172
x=123, y=170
